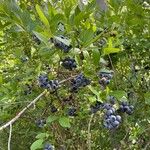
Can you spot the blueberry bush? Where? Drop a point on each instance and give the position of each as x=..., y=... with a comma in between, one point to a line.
x=74, y=75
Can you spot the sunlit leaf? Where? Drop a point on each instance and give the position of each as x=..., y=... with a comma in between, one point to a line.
x=42, y=16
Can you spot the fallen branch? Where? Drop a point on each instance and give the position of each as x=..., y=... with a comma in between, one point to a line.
x=9, y=139
x=22, y=112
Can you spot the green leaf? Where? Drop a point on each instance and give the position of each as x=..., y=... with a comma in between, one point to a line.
x=118, y=94
x=64, y=122
x=96, y=56
x=147, y=98
x=106, y=71
x=65, y=41
x=42, y=16
x=37, y=144
x=86, y=36
x=92, y=99
x=95, y=92
x=86, y=54
x=50, y=119
x=42, y=135
x=110, y=43
x=1, y=79
x=110, y=49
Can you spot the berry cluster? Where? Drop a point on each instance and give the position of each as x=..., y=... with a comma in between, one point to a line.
x=48, y=147
x=69, y=63
x=125, y=107
x=111, y=120
x=72, y=112
x=40, y=122
x=79, y=81
x=61, y=45
x=44, y=82
x=105, y=78
x=96, y=107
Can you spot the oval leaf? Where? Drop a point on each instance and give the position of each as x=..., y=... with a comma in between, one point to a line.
x=64, y=122
x=42, y=16
x=37, y=144
x=42, y=135
x=50, y=119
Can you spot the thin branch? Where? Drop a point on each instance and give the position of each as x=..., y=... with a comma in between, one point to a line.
x=147, y=146
x=9, y=139
x=114, y=71
x=22, y=111
x=4, y=104
x=65, y=80
x=9, y=123
x=89, y=133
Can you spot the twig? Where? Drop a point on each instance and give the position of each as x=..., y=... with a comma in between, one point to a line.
x=89, y=133
x=22, y=111
x=146, y=146
x=114, y=71
x=9, y=139
x=67, y=79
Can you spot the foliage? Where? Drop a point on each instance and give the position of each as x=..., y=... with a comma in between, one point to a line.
x=109, y=51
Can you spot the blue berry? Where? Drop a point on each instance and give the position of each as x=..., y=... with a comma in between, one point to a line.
x=53, y=109
x=40, y=123
x=69, y=63
x=48, y=147
x=109, y=112
x=72, y=112
x=112, y=118
x=115, y=123
x=118, y=118
x=107, y=106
